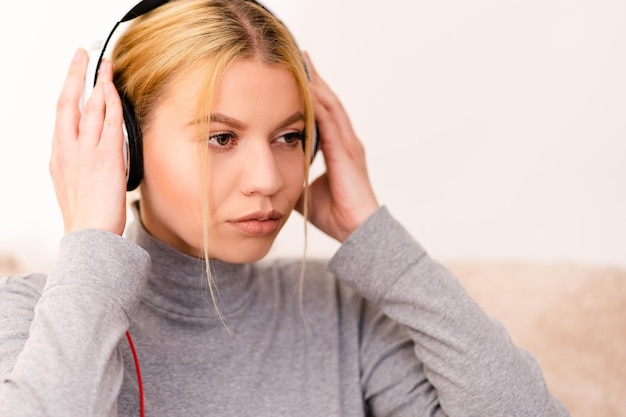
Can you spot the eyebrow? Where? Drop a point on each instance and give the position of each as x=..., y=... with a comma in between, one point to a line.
x=296, y=117
x=238, y=124
x=227, y=120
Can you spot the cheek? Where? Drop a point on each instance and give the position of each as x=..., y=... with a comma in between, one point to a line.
x=174, y=187
x=294, y=175
x=171, y=185
x=221, y=184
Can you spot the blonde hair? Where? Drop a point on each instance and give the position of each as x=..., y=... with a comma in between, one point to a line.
x=212, y=34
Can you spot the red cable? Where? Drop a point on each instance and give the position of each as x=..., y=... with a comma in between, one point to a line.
x=132, y=348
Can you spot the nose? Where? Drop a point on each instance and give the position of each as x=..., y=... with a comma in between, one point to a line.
x=260, y=173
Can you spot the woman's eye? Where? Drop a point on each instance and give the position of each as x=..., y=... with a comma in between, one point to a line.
x=292, y=138
x=221, y=139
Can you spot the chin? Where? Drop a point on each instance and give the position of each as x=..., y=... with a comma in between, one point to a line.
x=244, y=253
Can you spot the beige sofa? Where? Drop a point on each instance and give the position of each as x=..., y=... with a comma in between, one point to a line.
x=572, y=318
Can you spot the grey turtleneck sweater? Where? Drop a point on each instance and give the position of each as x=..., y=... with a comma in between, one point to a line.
x=381, y=330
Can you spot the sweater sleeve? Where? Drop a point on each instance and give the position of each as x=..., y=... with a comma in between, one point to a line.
x=467, y=357
x=59, y=335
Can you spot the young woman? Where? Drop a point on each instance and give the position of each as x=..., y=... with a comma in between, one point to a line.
x=227, y=115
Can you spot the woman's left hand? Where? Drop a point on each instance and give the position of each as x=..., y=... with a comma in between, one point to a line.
x=342, y=198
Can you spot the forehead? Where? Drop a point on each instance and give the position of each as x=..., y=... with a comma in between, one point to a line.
x=258, y=82
x=244, y=84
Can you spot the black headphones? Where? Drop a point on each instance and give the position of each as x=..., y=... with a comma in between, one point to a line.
x=133, y=148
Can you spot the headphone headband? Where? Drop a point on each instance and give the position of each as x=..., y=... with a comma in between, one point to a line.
x=142, y=7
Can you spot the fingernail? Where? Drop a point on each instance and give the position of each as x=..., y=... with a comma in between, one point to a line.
x=104, y=65
x=78, y=55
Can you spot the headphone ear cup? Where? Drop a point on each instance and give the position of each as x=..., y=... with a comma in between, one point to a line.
x=316, y=141
x=133, y=145
x=316, y=130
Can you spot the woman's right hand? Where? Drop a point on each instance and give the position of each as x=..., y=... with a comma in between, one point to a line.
x=87, y=165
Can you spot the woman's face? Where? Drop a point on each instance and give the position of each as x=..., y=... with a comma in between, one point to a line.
x=256, y=164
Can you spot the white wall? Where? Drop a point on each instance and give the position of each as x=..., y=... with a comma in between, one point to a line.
x=495, y=129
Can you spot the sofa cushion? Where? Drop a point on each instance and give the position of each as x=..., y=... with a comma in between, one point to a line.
x=8, y=266
x=572, y=318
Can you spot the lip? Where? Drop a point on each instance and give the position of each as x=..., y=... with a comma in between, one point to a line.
x=259, y=223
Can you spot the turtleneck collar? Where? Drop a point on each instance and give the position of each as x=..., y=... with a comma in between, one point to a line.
x=178, y=282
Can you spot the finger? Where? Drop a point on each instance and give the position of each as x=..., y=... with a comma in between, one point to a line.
x=321, y=90
x=317, y=80
x=329, y=100
x=105, y=71
x=330, y=112
x=330, y=141
x=92, y=120
x=338, y=138
x=312, y=70
x=112, y=137
x=68, y=113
